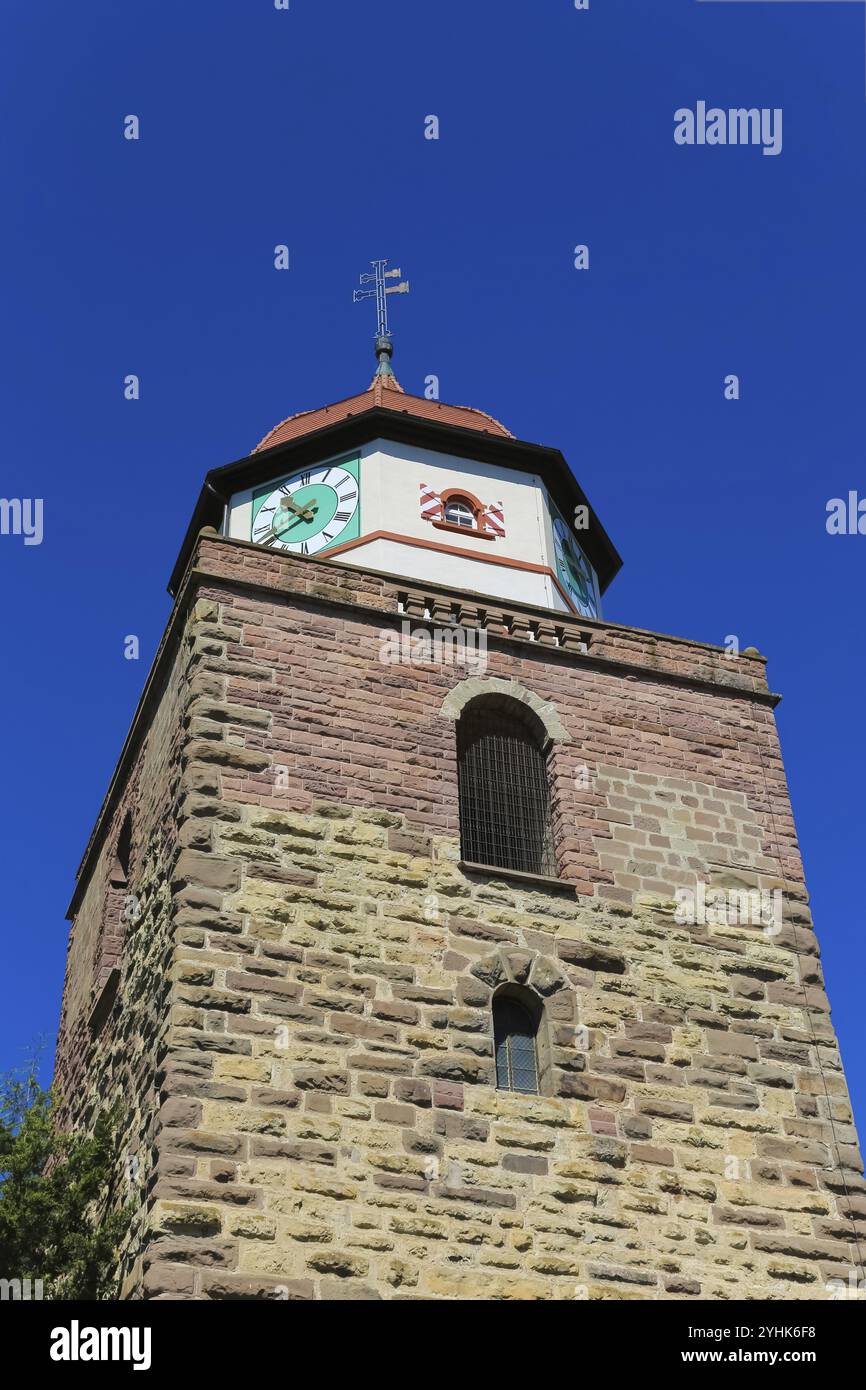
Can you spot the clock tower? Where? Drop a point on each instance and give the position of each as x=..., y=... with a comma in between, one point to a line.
x=416, y=978
x=406, y=485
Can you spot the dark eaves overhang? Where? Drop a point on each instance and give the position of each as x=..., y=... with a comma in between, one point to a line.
x=402, y=428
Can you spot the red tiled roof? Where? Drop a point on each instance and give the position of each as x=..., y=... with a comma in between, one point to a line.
x=384, y=393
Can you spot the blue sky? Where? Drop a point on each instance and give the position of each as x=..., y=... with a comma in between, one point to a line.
x=306, y=127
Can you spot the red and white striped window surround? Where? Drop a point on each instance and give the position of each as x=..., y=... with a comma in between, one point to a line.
x=433, y=509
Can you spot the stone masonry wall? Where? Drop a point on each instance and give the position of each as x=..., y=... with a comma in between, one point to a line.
x=115, y=1059
x=328, y=1123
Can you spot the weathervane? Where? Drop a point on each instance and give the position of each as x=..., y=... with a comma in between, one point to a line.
x=380, y=291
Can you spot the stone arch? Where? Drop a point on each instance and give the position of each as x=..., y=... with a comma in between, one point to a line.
x=475, y=687
x=512, y=969
x=513, y=965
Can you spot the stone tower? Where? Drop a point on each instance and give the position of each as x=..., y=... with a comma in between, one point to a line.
x=438, y=938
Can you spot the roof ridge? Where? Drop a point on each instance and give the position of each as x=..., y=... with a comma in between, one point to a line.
x=449, y=405
x=379, y=391
x=380, y=384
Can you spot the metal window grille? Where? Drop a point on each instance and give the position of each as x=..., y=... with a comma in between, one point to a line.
x=504, y=793
x=514, y=1038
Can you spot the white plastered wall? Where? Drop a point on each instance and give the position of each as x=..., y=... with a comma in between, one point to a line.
x=391, y=478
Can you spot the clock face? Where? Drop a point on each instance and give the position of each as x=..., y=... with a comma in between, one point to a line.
x=310, y=510
x=575, y=573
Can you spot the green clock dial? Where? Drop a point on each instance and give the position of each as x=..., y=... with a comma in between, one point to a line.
x=309, y=511
x=574, y=571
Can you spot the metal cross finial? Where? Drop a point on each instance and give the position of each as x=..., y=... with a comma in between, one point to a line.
x=380, y=291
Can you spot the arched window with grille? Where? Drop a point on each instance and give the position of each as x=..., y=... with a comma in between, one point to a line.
x=503, y=785
x=515, y=1028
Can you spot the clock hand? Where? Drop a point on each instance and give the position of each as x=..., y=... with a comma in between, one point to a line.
x=306, y=513
x=302, y=516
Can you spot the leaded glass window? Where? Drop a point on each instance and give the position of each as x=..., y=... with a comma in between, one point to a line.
x=514, y=1030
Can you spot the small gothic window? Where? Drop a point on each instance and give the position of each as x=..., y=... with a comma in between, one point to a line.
x=459, y=512
x=514, y=1032
x=503, y=788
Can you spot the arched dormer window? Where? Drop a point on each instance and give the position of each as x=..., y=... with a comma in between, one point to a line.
x=460, y=512
x=503, y=785
x=516, y=1016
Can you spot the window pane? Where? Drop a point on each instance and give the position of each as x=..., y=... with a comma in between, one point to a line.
x=504, y=794
x=503, y=1070
x=459, y=513
x=523, y=1072
x=514, y=1037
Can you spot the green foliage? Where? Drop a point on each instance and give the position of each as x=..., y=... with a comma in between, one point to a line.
x=59, y=1221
